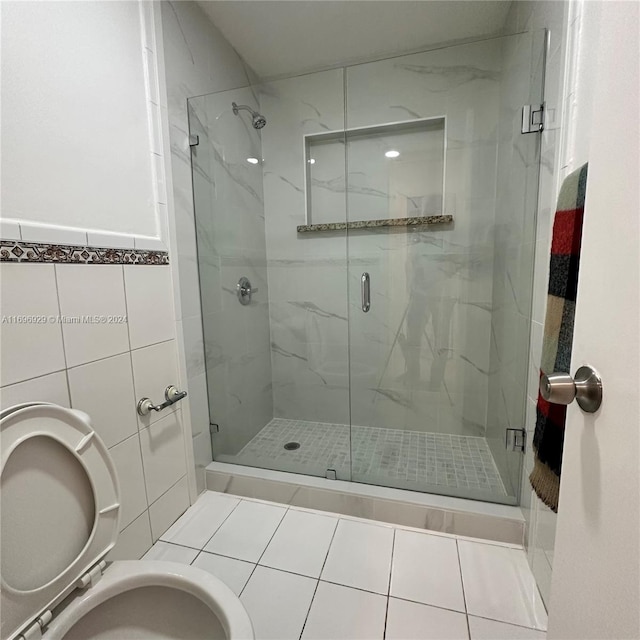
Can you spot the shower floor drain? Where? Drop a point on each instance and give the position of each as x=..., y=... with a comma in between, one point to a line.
x=292, y=446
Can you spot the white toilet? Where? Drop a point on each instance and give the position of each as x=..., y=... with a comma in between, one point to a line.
x=60, y=516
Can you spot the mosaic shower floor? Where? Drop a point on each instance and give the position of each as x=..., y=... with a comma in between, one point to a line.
x=450, y=461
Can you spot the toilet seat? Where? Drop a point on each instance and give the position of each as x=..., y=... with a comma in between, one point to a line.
x=49, y=451
x=61, y=516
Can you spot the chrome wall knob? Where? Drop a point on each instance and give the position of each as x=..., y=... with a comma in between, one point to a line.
x=585, y=388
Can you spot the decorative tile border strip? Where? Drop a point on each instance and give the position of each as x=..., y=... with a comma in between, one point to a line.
x=374, y=224
x=40, y=252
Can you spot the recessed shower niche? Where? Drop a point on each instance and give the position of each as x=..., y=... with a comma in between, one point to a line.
x=401, y=170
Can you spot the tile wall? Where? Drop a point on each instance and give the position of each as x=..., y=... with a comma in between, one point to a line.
x=103, y=368
x=400, y=378
x=308, y=312
x=194, y=59
x=562, y=20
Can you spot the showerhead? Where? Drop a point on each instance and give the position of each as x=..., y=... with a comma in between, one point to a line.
x=257, y=119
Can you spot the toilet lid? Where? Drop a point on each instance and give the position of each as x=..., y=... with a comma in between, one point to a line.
x=60, y=508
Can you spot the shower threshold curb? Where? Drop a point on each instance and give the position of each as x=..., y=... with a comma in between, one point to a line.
x=457, y=516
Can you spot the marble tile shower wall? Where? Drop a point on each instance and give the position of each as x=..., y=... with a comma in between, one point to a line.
x=307, y=275
x=517, y=188
x=420, y=357
x=562, y=19
x=231, y=244
x=197, y=60
x=103, y=369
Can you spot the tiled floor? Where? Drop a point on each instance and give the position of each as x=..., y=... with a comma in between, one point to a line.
x=313, y=575
x=438, y=459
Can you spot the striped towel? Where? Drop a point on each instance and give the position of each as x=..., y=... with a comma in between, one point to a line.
x=558, y=334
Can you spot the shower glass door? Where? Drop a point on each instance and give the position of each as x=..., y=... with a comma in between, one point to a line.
x=441, y=205
x=277, y=361
x=384, y=221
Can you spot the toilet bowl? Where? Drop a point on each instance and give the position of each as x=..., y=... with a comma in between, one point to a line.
x=60, y=518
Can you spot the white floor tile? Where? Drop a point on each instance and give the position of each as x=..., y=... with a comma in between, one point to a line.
x=341, y=613
x=482, y=629
x=301, y=543
x=234, y=573
x=171, y=553
x=201, y=521
x=425, y=569
x=498, y=584
x=360, y=556
x=277, y=603
x=412, y=621
x=245, y=534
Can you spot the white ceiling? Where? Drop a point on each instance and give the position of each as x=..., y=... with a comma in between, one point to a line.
x=290, y=36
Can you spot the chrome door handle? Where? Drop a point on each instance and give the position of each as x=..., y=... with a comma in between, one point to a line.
x=365, y=291
x=585, y=388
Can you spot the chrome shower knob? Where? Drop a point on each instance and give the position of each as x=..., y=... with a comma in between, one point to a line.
x=585, y=388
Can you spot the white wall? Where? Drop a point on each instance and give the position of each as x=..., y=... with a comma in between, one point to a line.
x=76, y=134
x=78, y=157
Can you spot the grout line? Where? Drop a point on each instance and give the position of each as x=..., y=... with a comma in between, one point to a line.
x=64, y=348
x=42, y=375
x=164, y=493
x=464, y=595
x=273, y=535
x=152, y=344
x=220, y=525
x=386, y=612
x=313, y=597
x=113, y=355
x=263, y=552
x=324, y=562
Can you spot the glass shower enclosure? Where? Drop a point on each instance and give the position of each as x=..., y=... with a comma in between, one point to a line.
x=366, y=267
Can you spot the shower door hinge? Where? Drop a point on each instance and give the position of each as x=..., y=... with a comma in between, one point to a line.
x=532, y=118
x=515, y=440
x=194, y=139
